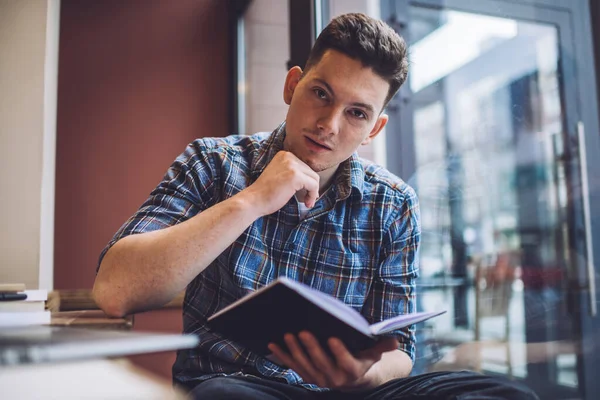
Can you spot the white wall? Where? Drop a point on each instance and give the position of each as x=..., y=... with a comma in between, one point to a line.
x=267, y=53
x=28, y=76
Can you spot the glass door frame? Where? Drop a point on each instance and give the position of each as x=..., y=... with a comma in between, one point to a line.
x=572, y=19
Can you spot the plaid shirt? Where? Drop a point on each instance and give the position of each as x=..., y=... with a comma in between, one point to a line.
x=359, y=244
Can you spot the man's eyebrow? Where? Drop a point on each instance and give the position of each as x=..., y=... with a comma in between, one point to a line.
x=366, y=106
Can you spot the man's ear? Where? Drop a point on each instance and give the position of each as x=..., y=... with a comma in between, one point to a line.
x=291, y=81
x=381, y=122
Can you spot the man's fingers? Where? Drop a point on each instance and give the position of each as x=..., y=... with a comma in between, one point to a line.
x=280, y=355
x=285, y=176
x=289, y=362
x=306, y=369
x=311, y=197
x=310, y=185
x=309, y=193
x=353, y=367
x=318, y=357
x=310, y=182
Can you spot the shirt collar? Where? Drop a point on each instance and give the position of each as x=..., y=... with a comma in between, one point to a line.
x=350, y=176
x=267, y=150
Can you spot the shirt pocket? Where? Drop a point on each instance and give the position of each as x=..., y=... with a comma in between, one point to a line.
x=344, y=274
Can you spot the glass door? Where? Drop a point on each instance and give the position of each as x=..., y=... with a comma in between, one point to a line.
x=489, y=130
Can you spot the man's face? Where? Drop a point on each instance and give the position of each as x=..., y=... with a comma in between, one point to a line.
x=333, y=109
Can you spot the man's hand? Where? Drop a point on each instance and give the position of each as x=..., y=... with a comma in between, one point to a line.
x=285, y=175
x=345, y=372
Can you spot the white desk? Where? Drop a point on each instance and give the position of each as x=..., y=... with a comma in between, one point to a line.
x=90, y=380
x=50, y=362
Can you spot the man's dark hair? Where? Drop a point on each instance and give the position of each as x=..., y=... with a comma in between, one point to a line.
x=368, y=40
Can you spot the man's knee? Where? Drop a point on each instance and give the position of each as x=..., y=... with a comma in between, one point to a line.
x=219, y=388
x=475, y=384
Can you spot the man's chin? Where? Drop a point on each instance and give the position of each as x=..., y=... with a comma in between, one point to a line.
x=316, y=166
x=313, y=164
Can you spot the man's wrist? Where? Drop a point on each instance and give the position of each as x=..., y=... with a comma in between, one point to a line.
x=247, y=204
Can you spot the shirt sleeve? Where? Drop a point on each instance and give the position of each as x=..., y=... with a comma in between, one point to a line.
x=187, y=188
x=393, y=289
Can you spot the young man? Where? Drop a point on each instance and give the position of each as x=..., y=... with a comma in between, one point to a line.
x=232, y=214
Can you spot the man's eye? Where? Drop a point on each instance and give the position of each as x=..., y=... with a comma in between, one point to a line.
x=358, y=114
x=320, y=93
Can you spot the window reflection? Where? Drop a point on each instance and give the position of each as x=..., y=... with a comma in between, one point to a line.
x=455, y=38
x=487, y=120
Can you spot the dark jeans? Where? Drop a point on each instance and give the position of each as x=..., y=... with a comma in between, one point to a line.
x=436, y=386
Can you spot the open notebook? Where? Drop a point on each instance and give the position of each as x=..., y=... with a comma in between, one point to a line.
x=285, y=305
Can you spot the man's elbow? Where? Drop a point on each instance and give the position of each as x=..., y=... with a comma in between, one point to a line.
x=111, y=303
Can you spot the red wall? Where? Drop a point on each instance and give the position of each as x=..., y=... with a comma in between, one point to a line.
x=138, y=80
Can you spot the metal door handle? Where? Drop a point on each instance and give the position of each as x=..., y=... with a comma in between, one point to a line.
x=585, y=193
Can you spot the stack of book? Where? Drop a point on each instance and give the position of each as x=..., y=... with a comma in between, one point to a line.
x=21, y=307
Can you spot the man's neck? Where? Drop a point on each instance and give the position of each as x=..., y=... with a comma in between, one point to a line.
x=326, y=178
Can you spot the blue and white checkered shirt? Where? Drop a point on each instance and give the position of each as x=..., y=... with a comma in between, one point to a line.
x=359, y=244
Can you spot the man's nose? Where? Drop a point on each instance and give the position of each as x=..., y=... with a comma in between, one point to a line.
x=329, y=120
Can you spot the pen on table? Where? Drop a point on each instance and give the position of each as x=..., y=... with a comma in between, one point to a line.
x=12, y=296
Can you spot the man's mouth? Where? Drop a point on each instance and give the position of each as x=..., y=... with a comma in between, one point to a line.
x=318, y=144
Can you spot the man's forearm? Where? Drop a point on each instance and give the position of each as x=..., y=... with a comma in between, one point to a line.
x=147, y=270
x=393, y=364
